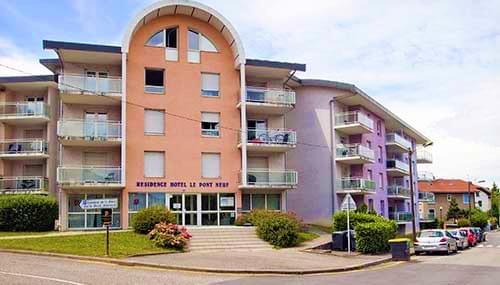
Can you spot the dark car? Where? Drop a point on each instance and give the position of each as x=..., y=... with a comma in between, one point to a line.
x=480, y=234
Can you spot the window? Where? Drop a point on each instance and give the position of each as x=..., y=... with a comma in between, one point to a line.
x=258, y=201
x=210, y=165
x=210, y=124
x=477, y=194
x=154, y=82
x=370, y=174
x=273, y=202
x=382, y=207
x=196, y=43
x=448, y=197
x=166, y=39
x=210, y=84
x=480, y=204
x=466, y=198
x=381, y=180
x=370, y=205
x=154, y=164
x=379, y=128
x=369, y=144
x=154, y=122
x=380, y=154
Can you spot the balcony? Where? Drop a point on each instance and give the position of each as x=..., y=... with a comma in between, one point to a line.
x=355, y=154
x=426, y=176
x=78, y=89
x=352, y=123
x=93, y=177
x=24, y=113
x=397, y=168
x=270, y=179
x=269, y=101
x=427, y=218
x=396, y=143
x=355, y=186
x=270, y=140
x=424, y=156
x=24, y=185
x=23, y=149
x=398, y=192
x=400, y=217
x=89, y=133
x=427, y=197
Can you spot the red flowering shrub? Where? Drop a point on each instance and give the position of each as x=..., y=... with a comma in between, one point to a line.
x=169, y=235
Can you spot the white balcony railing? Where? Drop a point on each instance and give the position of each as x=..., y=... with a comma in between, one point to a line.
x=398, y=164
x=350, y=118
x=89, y=129
x=425, y=176
x=87, y=84
x=355, y=150
x=358, y=184
x=271, y=96
x=271, y=177
x=398, y=190
x=19, y=110
x=24, y=185
x=400, y=216
x=394, y=138
x=23, y=147
x=272, y=136
x=426, y=197
x=88, y=175
x=424, y=156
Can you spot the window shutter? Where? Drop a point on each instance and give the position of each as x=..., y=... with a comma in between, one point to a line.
x=154, y=164
x=210, y=117
x=210, y=165
x=154, y=122
x=210, y=81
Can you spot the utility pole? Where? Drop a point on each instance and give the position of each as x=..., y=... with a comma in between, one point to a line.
x=470, y=202
x=414, y=227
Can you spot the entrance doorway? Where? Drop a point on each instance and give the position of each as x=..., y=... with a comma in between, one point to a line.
x=208, y=209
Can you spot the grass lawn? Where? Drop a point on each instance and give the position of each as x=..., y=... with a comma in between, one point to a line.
x=307, y=236
x=12, y=234
x=122, y=244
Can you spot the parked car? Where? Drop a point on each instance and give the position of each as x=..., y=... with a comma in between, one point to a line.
x=435, y=241
x=461, y=237
x=480, y=234
x=471, y=236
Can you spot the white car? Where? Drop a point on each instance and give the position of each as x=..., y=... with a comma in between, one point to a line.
x=435, y=241
x=461, y=237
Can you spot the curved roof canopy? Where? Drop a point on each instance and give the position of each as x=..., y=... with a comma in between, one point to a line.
x=190, y=8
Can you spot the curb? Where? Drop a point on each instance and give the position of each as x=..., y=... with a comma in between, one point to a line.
x=199, y=269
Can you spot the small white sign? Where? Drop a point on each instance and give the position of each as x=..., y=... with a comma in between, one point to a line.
x=177, y=205
x=227, y=201
x=111, y=203
x=348, y=203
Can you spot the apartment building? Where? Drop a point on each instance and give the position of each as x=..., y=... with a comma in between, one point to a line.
x=437, y=194
x=178, y=116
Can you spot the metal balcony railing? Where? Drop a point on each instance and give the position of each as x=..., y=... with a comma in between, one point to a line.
x=271, y=177
x=397, y=190
x=397, y=164
x=356, y=117
x=89, y=129
x=425, y=176
x=355, y=150
x=271, y=96
x=272, y=136
x=24, y=185
x=360, y=184
x=23, y=147
x=427, y=197
x=87, y=84
x=13, y=110
x=88, y=175
x=394, y=138
x=400, y=216
x=424, y=156
x=428, y=217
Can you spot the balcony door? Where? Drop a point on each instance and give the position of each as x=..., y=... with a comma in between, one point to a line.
x=91, y=160
x=258, y=170
x=93, y=84
x=96, y=124
x=30, y=171
x=256, y=129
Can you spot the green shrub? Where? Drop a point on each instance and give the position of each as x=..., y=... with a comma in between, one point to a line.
x=363, y=208
x=280, y=230
x=373, y=237
x=479, y=218
x=493, y=222
x=340, y=219
x=145, y=220
x=169, y=235
x=431, y=225
x=27, y=213
x=463, y=223
x=242, y=220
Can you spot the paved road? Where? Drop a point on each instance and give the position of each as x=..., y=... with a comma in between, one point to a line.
x=480, y=265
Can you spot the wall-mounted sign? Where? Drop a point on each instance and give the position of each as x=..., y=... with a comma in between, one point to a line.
x=177, y=206
x=181, y=184
x=227, y=201
x=111, y=203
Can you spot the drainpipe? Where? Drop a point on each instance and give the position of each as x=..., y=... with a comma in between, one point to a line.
x=332, y=156
x=243, y=132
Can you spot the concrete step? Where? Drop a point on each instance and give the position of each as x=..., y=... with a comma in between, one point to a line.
x=223, y=248
x=216, y=239
x=225, y=238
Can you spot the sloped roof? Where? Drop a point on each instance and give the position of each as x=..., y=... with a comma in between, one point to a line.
x=447, y=186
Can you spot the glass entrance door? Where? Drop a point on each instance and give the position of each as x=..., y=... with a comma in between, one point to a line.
x=190, y=209
x=176, y=206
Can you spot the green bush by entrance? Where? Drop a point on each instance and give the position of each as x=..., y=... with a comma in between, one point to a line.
x=145, y=220
x=34, y=213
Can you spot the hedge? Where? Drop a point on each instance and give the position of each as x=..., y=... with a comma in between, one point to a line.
x=28, y=213
x=479, y=218
x=463, y=223
x=373, y=237
x=145, y=220
x=355, y=218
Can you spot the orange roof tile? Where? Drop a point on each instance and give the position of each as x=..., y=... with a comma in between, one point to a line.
x=446, y=186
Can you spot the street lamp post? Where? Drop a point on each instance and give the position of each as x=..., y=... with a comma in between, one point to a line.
x=412, y=198
x=468, y=192
x=441, y=214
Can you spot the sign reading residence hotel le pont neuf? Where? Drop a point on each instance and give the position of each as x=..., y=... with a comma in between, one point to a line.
x=181, y=184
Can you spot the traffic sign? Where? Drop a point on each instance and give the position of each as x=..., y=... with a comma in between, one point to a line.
x=106, y=216
x=111, y=203
x=348, y=203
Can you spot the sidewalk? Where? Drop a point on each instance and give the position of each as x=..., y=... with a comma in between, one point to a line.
x=57, y=234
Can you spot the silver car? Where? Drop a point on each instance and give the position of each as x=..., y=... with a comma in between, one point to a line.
x=435, y=241
x=461, y=237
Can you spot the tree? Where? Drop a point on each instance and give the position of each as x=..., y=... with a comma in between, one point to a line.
x=479, y=218
x=495, y=201
x=454, y=212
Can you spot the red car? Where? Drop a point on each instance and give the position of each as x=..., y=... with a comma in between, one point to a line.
x=471, y=236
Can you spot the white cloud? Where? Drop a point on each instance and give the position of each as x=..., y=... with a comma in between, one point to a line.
x=13, y=56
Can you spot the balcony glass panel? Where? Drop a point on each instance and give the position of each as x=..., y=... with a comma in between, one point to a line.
x=23, y=147
x=400, y=216
x=397, y=139
x=267, y=177
x=24, y=110
x=273, y=96
x=23, y=184
x=89, y=175
x=398, y=164
x=350, y=118
x=89, y=129
x=397, y=190
x=271, y=136
x=98, y=85
x=356, y=184
x=354, y=151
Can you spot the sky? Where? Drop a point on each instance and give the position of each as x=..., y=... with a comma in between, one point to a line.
x=436, y=64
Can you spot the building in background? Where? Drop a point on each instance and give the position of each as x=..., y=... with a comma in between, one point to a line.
x=483, y=199
x=178, y=116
